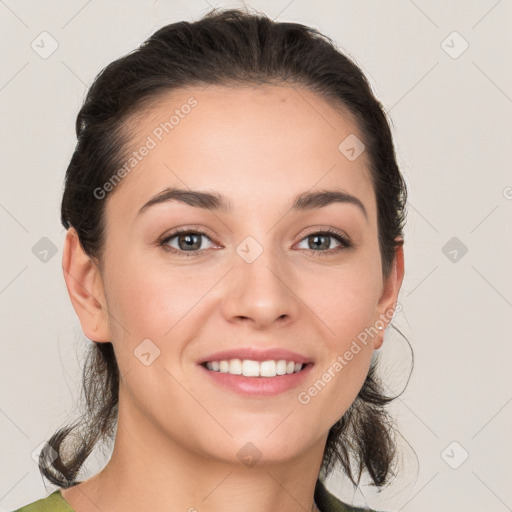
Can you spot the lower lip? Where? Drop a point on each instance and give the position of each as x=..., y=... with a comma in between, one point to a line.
x=259, y=386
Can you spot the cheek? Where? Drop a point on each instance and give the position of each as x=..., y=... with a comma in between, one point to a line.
x=334, y=389
x=149, y=300
x=344, y=305
x=343, y=299
x=346, y=310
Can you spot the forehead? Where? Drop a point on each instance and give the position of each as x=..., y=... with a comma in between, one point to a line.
x=253, y=144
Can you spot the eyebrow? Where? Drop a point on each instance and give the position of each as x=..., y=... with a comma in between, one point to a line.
x=217, y=202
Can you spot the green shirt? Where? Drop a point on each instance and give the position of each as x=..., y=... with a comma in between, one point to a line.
x=326, y=502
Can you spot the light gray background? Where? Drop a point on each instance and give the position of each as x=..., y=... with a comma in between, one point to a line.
x=452, y=126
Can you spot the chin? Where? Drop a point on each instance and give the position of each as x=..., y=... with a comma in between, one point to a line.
x=260, y=448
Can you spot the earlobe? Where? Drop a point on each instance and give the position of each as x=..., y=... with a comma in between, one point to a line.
x=389, y=298
x=85, y=287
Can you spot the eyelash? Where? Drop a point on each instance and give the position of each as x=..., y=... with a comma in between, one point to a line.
x=345, y=242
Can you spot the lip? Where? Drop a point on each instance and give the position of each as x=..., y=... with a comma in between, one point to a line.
x=258, y=386
x=256, y=355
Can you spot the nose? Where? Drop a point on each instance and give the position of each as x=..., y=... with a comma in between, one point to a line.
x=260, y=293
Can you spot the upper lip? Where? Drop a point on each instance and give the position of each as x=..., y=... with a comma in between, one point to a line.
x=256, y=355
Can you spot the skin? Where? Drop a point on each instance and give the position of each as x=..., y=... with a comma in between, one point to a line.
x=178, y=433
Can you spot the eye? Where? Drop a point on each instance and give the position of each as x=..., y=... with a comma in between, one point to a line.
x=188, y=242
x=321, y=242
x=184, y=241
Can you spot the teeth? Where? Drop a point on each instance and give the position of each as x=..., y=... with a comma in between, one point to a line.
x=267, y=368
x=250, y=368
x=235, y=367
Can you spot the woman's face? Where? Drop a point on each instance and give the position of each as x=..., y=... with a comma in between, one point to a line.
x=255, y=274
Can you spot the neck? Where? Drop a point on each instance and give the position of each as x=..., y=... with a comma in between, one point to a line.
x=149, y=471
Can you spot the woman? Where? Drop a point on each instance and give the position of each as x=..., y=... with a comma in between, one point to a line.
x=234, y=252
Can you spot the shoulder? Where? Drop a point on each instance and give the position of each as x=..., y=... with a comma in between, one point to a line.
x=327, y=502
x=52, y=503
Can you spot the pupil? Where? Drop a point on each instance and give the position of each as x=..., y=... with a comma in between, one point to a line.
x=189, y=242
x=316, y=237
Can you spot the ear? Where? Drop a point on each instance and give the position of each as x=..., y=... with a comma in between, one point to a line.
x=389, y=297
x=85, y=288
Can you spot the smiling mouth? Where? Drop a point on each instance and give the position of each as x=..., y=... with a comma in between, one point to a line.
x=252, y=368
